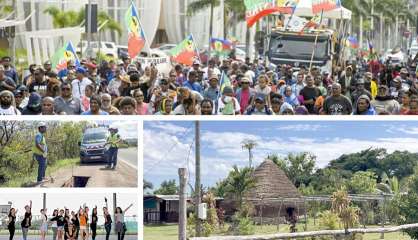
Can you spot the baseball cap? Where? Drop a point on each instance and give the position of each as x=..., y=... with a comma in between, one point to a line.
x=81, y=70
x=196, y=62
x=404, y=70
x=228, y=89
x=41, y=124
x=259, y=97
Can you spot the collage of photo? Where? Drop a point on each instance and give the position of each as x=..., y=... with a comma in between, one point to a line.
x=208, y=119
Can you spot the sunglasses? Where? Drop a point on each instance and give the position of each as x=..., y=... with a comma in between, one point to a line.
x=65, y=89
x=137, y=96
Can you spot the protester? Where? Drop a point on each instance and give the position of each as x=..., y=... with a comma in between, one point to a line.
x=337, y=104
x=8, y=104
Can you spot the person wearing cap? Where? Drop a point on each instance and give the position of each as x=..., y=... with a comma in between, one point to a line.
x=245, y=94
x=259, y=107
x=363, y=106
x=396, y=88
x=404, y=75
x=125, y=86
x=9, y=70
x=384, y=103
x=196, y=66
x=360, y=90
x=310, y=93
x=79, y=83
x=64, y=72
x=228, y=104
x=337, y=103
x=65, y=104
x=113, y=141
x=19, y=99
x=212, y=92
x=40, y=151
x=8, y=104
x=6, y=83
x=47, y=67
x=34, y=106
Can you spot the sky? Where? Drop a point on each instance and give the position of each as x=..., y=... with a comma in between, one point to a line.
x=169, y=145
x=70, y=200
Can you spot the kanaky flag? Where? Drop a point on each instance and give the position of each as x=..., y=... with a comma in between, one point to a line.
x=315, y=22
x=136, y=36
x=324, y=5
x=352, y=42
x=221, y=46
x=63, y=55
x=256, y=9
x=185, y=52
x=225, y=82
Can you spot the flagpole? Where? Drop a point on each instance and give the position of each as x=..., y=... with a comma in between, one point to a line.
x=195, y=47
x=316, y=42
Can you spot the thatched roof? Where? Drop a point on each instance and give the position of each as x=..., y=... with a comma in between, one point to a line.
x=272, y=182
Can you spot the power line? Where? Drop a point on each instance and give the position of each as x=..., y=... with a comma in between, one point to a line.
x=185, y=132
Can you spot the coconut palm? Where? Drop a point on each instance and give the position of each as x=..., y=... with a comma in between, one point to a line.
x=62, y=19
x=249, y=144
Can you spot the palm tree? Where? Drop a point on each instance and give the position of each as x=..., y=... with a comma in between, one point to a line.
x=249, y=144
x=147, y=185
x=341, y=205
x=62, y=19
x=239, y=182
x=5, y=9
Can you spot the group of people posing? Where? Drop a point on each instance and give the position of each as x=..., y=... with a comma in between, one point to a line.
x=80, y=224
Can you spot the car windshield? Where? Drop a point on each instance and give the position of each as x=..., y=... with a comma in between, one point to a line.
x=292, y=47
x=96, y=137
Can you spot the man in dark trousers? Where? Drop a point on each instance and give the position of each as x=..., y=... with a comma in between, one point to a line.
x=113, y=141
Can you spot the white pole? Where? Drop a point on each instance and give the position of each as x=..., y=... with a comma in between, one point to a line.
x=361, y=32
x=222, y=7
x=381, y=33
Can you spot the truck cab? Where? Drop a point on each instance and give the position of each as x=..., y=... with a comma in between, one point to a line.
x=93, y=146
x=295, y=48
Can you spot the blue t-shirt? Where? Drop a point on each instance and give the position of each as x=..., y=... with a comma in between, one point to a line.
x=89, y=113
x=193, y=86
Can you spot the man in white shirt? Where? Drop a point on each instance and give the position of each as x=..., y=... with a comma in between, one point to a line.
x=7, y=103
x=79, y=83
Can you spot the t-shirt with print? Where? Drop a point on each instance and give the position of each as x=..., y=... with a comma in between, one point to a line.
x=9, y=111
x=338, y=105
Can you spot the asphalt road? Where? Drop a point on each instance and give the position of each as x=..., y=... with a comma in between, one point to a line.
x=129, y=155
x=99, y=237
x=125, y=174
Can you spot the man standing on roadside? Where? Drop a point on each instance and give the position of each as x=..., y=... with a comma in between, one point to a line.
x=40, y=151
x=112, y=154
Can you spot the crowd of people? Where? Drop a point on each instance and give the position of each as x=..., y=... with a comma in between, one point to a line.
x=124, y=86
x=70, y=225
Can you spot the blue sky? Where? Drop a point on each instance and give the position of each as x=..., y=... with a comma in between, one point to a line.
x=168, y=145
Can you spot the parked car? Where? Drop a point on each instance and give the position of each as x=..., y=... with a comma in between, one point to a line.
x=106, y=48
x=93, y=146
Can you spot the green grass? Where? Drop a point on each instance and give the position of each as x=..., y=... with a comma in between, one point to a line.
x=169, y=232
x=20, y=181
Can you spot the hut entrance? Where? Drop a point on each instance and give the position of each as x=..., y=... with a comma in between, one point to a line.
x=292, y=218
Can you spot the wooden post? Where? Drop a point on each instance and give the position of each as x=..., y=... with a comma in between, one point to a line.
x=382, y=235
x=198, y=199
x=306, y=217
x=182, y=204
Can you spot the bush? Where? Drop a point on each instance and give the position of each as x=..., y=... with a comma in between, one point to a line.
x=408, y=206
x=329, y=220
x=245, y=226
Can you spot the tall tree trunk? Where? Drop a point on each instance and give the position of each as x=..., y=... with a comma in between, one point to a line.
x=247, y=42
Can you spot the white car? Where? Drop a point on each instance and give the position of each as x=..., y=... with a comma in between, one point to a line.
x=106, y=48
x=166, y=47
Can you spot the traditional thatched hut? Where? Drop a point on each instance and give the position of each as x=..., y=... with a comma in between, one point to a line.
x=274, y=195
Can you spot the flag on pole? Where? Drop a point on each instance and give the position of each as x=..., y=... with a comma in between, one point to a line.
x=325, y=5
x=315, y=22
x=256, y=9
x=63, y=55
x=185, y=52
x=225, y=82
x=136, y=35
x=352, y=42
x=222, y=47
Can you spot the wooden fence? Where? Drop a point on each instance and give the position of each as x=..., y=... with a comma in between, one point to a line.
x=311, y=233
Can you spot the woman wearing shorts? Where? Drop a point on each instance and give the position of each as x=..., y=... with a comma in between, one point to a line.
x=82, y=217
x=60, y=224
x=44, y=224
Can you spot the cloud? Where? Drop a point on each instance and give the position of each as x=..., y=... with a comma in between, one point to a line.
x=220, y=151
x=127, y=129
x=300, y=127
x=166, y=127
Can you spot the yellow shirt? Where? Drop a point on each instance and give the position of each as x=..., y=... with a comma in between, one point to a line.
x=373, y=89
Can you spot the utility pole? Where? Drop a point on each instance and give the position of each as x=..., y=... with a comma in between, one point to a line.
x=198, y=199
x=114, y=208
x=222, y=7
x=381, y=33
x=182, y=204
x=44, y=201
x=88, y=28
